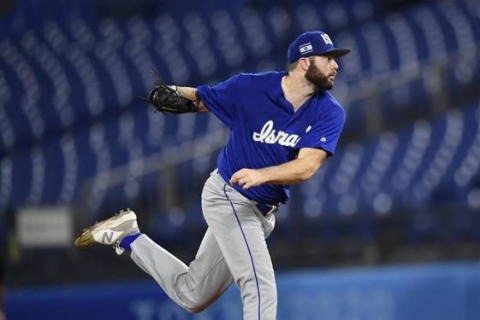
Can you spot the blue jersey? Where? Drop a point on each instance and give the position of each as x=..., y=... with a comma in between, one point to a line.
x=264, y=129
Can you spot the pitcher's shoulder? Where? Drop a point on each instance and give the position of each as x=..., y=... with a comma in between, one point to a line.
x=266, y=76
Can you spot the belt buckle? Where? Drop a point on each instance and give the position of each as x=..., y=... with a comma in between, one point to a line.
x=273, y=209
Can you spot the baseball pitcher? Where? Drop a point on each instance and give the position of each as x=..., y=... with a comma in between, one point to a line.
x=283, y=126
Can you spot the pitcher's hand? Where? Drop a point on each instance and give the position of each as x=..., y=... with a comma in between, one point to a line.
x=247, y=178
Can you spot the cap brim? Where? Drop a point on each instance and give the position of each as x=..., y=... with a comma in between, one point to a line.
x=337, y=52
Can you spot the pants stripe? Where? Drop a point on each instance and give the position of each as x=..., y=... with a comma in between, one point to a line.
x=248, y=248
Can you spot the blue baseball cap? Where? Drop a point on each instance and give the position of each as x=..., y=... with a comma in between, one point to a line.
x=313, y=43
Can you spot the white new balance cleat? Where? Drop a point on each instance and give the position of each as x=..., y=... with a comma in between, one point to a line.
x=110, y=231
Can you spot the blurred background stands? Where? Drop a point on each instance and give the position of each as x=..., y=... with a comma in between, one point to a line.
x=403, y=186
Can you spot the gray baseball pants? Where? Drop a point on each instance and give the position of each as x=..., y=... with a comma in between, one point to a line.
x=233, y=249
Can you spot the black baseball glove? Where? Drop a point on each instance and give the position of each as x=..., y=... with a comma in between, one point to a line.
x=166, y=99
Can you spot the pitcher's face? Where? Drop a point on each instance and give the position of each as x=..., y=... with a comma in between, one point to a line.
x=322, y=71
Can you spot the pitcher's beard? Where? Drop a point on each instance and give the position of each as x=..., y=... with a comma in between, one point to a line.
x=319, y=80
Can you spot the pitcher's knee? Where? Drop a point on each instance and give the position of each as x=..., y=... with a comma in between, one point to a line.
x=193, y=306
x=195, y=309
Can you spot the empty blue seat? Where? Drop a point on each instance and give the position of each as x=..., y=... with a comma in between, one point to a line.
x=6, y=182
x=22, y=176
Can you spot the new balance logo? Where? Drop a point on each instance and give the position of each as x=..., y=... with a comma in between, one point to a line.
x=107, y=237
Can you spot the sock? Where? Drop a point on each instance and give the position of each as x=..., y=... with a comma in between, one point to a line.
x=126, y=242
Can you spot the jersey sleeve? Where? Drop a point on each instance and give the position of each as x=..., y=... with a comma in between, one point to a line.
x=221, y=99
x=325, y=132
